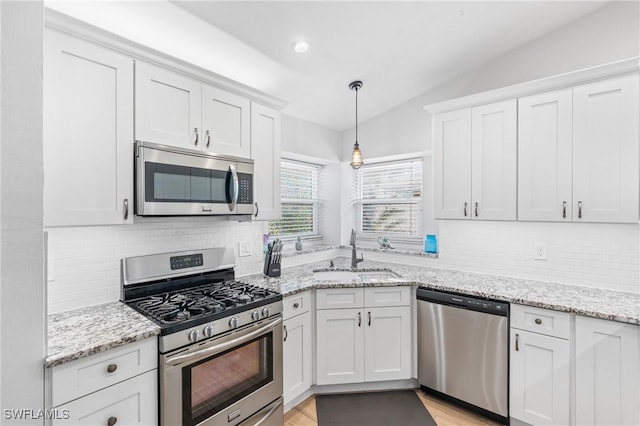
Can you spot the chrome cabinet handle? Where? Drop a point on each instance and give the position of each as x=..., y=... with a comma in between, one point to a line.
x=126, y=208
x=112, y=421
x=476, y=209
x=564, y=209
x=196, y=141
x=111, y=368
x=286, y=333
x=359, y=319
x=465, y=209
x=517, y=337
x=579, y=209
x=257, y=209
x=538, y=321
x=208, y=138
x=369, y=318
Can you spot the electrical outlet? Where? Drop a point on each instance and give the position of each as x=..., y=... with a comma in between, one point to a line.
x=244, y=248
x=540, y=251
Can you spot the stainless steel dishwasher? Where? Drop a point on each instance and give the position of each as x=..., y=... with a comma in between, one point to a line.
x=463, y=351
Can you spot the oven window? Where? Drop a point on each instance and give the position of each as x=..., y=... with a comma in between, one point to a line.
x=217, y=382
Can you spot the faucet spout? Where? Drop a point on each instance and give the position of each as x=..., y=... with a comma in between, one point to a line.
x=354, y=257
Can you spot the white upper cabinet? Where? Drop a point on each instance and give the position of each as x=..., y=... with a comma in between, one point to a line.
x=545, y=156
x=493, y=161
x=226, y=121
x=88, y=133
x=265, y=150
x=174, y=109
x=167, y=107
x=475, y=163
x=452, y=164
x=606, y=143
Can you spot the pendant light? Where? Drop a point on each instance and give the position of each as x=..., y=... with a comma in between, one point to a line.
x=356, y=155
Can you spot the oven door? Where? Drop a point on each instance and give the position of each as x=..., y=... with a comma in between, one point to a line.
x=225, y=380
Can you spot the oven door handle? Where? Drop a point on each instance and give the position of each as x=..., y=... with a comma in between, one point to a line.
x=203, y=353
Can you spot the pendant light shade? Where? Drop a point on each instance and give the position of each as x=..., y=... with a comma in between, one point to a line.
x=356, y=155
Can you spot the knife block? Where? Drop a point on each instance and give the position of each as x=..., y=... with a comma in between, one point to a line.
x=271, y=267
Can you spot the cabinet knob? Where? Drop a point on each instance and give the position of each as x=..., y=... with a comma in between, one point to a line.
x=112, y=421
x=538, y=321
x=296, y=305
x=111, y=368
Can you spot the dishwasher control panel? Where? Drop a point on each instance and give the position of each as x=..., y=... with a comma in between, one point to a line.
x=463, y=301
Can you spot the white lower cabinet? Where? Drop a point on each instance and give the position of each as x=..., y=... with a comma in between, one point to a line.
x=297, y=346
x=540, y=366
x=363, y=343
x=119, y=386
x=607, y=372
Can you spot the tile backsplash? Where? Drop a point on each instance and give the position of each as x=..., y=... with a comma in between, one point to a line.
x=84, y=262
x=585, y=254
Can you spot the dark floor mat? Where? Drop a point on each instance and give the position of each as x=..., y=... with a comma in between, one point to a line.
x=394, y=408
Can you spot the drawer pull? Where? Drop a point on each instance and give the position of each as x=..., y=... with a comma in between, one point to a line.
x=296, y=305
x=517, y=338
x=538, y=321
x=112, y=421
x=112, y=369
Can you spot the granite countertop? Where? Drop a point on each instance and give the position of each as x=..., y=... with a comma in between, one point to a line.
x=592, y=302
x=82, y=332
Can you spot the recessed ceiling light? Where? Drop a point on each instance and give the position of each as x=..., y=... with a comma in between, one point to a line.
x=300, y=46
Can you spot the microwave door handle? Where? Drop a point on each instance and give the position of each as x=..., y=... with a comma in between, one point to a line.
x=234, y=183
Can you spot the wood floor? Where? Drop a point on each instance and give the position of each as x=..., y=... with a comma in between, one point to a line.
x=445, y=414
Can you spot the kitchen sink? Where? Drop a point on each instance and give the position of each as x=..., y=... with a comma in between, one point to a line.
x=358, y=276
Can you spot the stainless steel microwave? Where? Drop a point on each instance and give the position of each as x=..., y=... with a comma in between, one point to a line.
x=173, y=181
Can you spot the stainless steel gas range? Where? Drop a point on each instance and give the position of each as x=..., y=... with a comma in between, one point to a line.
x=220, y=360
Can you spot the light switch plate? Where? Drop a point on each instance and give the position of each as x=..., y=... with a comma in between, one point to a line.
x=244, y=248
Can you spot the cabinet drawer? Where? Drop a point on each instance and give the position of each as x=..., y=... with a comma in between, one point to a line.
x=543, y=321
x=386, y=296
x=132, y=402
x=83, y=376
x=337, y=298
x=296, y=304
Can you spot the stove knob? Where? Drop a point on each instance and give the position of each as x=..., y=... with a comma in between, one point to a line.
x=266, y=312
x=233, y=322
x=193, y=335
x=255, y=315
x=208, y=331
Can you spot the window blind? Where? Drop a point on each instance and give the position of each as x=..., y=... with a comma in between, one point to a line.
x=299, y=196
x=390, y=198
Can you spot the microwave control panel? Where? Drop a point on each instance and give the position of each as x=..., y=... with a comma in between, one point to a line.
x=245, y=193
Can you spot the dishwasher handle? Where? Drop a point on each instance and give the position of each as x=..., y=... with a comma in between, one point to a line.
x=457, y=300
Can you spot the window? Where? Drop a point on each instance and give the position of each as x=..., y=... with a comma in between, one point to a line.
x=389, y=198
x=299, y=198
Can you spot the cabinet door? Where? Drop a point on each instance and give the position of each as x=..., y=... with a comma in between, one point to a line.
x=606, y=151
x=168, y=107
x=539, y=378
x=265, y=151
x=226, y=122
x=88, y=133
x=544, y=156
x=452, y=165
x=297, y=356
x=339, y=346
x=494, y=161
x=131, y=402
x=387, y=353
x=607, y=372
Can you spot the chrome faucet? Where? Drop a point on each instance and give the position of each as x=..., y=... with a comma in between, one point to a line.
x=354, y=257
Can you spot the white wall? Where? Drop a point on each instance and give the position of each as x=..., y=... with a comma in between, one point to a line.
x=582, y=254
x=22, y=307
x=84, y=262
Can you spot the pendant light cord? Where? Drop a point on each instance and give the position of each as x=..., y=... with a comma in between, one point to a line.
x=357, y=116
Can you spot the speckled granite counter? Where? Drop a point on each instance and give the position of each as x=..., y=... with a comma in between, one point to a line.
x=83, y=332
x=592, y=302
